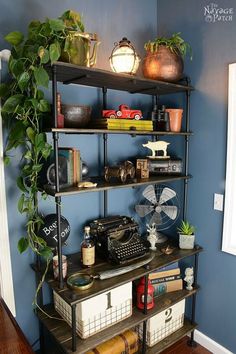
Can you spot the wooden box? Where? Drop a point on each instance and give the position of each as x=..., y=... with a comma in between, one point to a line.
x=126, y=342
x=164, y=323
x=99, y=312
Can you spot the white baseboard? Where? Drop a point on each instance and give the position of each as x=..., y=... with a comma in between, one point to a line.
x=210, y=344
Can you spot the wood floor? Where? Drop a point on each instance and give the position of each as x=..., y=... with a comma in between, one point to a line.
x=182, y=347
x=12, y=340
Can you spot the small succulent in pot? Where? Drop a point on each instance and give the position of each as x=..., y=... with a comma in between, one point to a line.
x=164, y=58
x=186, y=235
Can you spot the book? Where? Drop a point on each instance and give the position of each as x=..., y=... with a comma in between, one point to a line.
x=67, y=153
x=167, y=287
x=165, y=279
x=164, y=273
x=167, y=267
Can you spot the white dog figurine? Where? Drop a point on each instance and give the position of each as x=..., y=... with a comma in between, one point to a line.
x=189, y=278
x=152, y=237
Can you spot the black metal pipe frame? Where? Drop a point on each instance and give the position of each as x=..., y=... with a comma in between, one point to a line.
x=73, y=320
x=57, y=199
x=105, y=151
x=145, y=313
x=186, y=158
x=192, y=342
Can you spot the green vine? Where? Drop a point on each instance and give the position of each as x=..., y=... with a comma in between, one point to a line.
x=25, y=108
x=175, y=43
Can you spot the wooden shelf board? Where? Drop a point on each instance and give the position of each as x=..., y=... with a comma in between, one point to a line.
x=93, y=77
x=62, y=332
x=106, y=131
x=72, y=297
x=102, y=185
x=172, y=338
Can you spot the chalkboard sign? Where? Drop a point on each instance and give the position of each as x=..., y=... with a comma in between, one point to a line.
x=48, y=231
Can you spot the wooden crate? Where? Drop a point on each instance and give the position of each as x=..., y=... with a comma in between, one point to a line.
x=164, y=323
x=99, y=312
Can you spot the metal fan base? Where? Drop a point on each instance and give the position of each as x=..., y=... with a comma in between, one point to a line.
x=161, y=238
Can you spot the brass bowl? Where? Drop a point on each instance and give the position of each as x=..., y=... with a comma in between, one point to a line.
x=76, y=116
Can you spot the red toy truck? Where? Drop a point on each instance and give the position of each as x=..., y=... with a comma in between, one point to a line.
x=123, y=112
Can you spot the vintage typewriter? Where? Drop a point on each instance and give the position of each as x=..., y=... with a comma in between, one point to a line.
x=117, y=239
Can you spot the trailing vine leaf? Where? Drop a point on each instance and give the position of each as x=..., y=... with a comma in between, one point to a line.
x=21, y=203
x=54, y=51
x=41, y=77
x=11, y=103
x=23, y=80
x=20, y=184
x=23, y=244
x=14, y=38
x=57, y=25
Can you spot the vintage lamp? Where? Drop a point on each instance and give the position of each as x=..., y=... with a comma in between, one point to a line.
x=124, y=58
x=140, y=294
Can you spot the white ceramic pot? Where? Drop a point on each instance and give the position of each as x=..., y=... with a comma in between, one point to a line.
x=186, y=242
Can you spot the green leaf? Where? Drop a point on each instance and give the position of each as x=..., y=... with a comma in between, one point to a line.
x=20, y=184
x=46, y=151
x=31, y=134
x=56, y=25
x=41, y=77
x=43, y=54
x=44, y=106
x=23, y=244
x=7, y=160
x=37, y=167
x=21, y=203
x=11, y=103
x=54, y=51
x=16, y=67
x=23, y=80
x=28, y=155
x=14, y=38
x=4, y=89
x=40, y=94
x=46, y=252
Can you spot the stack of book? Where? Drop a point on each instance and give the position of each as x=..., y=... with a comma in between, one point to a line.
x=122, y=124
x=166, y=279
x=73, y=159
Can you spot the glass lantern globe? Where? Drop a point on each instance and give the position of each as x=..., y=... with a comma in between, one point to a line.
x=124, y=58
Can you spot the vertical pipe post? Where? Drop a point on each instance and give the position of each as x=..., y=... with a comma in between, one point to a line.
x=104, y=105
x=186, y=159
x=145, y=313
x=57, y=183
x=73, y=319
x=192, y=342
x=144, y=337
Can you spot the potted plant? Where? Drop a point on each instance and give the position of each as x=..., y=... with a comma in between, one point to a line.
x=164, y=58
x=25, y=108
x=186, y=235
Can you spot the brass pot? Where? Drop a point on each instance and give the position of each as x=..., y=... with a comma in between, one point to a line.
x=163, y=65
x=78, y=46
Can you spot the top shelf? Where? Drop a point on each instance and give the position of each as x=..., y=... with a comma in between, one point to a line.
x=81, y=75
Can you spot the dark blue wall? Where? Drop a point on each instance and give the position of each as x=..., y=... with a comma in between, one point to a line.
x=111, y=20
x=214, y=47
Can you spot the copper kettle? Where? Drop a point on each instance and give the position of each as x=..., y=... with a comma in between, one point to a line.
x=77, y=49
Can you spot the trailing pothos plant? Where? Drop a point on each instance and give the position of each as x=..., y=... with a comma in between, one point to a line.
x=25, y=108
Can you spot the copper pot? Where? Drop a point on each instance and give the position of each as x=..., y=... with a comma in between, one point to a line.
x=163, y=65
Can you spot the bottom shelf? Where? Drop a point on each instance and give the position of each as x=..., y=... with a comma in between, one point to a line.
x=172, y=338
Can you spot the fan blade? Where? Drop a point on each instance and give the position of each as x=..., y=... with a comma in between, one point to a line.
x=166, y=195
x=143, y=210
x=170, y=210
x=155, y=219
x=150, y=194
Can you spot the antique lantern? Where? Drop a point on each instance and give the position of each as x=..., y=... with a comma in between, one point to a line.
x=140, y=294
x=124, y=58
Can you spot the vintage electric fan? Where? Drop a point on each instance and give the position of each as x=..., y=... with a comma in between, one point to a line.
x=159, y=206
